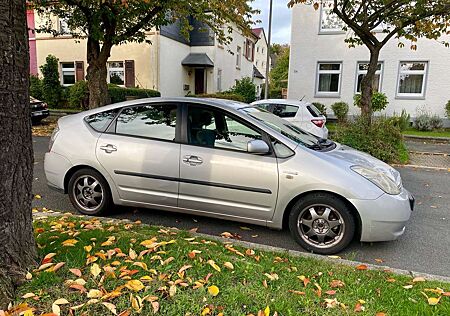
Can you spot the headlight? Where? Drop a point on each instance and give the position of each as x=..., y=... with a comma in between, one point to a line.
x=378, y=178
x=53, y=137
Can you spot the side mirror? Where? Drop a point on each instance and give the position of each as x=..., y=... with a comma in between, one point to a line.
x=258, y=147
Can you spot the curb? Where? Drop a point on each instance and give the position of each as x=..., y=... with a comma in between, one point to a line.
x=422, y=167
x=431, y=138
x=293, y=253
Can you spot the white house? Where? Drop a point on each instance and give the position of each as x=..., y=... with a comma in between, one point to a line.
x=172, y=64
x=324, y=69
x=261, y=51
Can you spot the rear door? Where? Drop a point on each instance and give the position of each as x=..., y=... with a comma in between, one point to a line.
x=141, y=153
x=217, y=174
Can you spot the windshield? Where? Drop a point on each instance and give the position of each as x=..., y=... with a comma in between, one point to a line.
x=282, y=126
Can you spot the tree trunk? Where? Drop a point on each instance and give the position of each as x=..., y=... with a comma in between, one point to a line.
x=17, y=245
x=97, y=73
x=367, y=85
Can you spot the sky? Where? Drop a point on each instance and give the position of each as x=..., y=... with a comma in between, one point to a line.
x=281, y=22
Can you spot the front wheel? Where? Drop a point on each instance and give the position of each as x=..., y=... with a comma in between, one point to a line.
x=89, y=192
x=322, y=223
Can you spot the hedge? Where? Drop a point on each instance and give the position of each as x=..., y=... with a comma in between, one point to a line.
x=119, y=94
x=219, y=95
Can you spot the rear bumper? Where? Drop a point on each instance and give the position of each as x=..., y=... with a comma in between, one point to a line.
x=56, y=167
x=40, y=114
x=385, y=218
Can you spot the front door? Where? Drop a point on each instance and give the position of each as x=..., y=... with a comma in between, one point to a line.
x=141, y=154
x=200, y=81
x=218, y=175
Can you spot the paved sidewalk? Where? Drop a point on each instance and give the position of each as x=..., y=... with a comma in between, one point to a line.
x=429, y=154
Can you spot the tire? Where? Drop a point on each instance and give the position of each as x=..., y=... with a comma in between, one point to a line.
x=89, y=192
x=322, y=223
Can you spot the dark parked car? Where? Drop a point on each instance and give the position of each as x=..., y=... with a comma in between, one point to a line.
x=39, y=110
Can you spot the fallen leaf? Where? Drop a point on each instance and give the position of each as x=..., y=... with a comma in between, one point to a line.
x=330, y=292
x=245, y=228
x=136, y=303
x=379, y=260
x=267, y=311
x=28, y=276
x=213, y=290
x=297, y=292
x=93, y=293
x=337, y=283
x=228, y=265
x=419, y=279
x=359, y=307
x=434, y=300
x=77, y=272
x=111, y=307
x=29, y=295
x=69, y=242
x=172, y=290
x=134, y=285
x=214, y=265
x=95, y=270
x=408, y=286
x=361, y=267
x=334, y=257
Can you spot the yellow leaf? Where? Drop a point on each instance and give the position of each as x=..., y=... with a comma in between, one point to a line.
x=29, y=276
x=69, y=242
x=408, y=286
x=172, y=290
x=88, y=248
x=168, y=260
x=141, y=265
x=419, y=279
x=206, y=311
x=214, y=265
x=136, y=303
x=134, y=285
x=95, y=270
x=213, y=290
x=229, y=265
x=56, y=267
x=132, y=254
x=28, y=312
x=433, y=300
x=93, y=293
x=111, y=307
x=56, y=310
x=37, y=197
x=28, y=295
x=267, y=311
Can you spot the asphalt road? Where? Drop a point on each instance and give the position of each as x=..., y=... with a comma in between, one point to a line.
x=423, y=248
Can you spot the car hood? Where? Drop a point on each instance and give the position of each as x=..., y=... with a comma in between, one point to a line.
x=354, y=157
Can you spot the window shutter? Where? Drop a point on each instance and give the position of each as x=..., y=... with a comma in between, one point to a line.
x=79, y=71
x=129, y=74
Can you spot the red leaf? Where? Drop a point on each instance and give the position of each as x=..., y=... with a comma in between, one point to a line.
x=330, y=292
x=361, y=267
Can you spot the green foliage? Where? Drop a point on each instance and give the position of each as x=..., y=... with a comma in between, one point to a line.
x=340, y=110
x=245, y=88
x=401, y=121
x=120, y=94
x=447, y=109
x=219, y=95
x=51, y=87
x=275, y=93
x=379, y=101
x=436, y=122
x=78, y=95
x=382, y=139
x=279, y=74
x=36, y=87
x=321, y=107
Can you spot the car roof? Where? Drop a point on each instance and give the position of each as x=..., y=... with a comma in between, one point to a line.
x=283, y=101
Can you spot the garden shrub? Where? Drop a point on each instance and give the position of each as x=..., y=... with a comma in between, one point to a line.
x=436, y=122
x=321, y=107
x=275, y=93
x=382, y=139
x=340, y=110
x=120, y=94
x=219, y=95
x=447, y=109
x=36, y=87
x=402, y=121
x=379, y=101
x=245, y=88
x=78, y=95
x=51, y=87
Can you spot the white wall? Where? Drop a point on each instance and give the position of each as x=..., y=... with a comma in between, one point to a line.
x=309, y=47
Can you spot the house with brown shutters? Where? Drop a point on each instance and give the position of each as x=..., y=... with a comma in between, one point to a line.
x=171, y=64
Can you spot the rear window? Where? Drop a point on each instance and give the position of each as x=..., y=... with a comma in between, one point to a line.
x=313, y=110
x=100, y=121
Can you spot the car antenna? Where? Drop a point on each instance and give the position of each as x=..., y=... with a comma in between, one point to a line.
x=302, y=98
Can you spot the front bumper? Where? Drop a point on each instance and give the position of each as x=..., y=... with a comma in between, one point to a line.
x=384, y=218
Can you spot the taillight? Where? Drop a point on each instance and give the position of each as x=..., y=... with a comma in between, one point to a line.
x=53, y=138
x=318, y=123
x=45, y=105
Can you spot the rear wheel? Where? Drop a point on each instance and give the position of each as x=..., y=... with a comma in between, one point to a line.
x=322, y=223
x=89, y=192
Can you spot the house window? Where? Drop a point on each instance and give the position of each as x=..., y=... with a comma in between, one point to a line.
x=63, y=26
x=329, y=21
x=411, y=79
x=116, y=73
x=329, y=78
x=262, y=50
x=238, y=57
x=67, y=74
x=219, y=80
x=362, y=71
x=257, y=49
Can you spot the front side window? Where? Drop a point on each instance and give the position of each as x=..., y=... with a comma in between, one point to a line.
x=412, y=79
x=116, y=73
x=101, y=121
x=329, y=21
x=215, y=129
x=67, y=74
x=329, y=78
x=156, y=121
x=283, y=110
x=362, y=71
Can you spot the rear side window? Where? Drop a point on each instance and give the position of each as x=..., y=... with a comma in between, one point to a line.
x=283, y=110
x=313, y=110
x=263, y=106
x=156, y=121
x=101, y=121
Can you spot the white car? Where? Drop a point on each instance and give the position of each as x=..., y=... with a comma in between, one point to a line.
x=299, y=113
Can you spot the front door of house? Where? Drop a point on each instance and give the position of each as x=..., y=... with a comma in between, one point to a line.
x=200, y=81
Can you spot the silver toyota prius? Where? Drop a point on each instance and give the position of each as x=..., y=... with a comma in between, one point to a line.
x=228, y=160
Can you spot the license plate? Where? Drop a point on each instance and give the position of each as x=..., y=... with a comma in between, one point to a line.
x=37, y=113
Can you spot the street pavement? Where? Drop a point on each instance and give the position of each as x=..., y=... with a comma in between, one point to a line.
x=423, y=248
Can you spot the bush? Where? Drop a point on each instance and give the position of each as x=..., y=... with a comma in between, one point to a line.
x=120, y=94
x=51, y=87
x=275, y=93
x=402, y=121
x=436, y=122
x=447, y=109
x=379, y=101
x=246, y=88
x=423, y=122
x=78, y=96
x=340, y=110
x=321, y=107
x=382, y=139
x=219, y=95
x=36, y=87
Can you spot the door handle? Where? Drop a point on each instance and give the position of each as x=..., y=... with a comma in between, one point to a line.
x=192, y=160
x=108, y=148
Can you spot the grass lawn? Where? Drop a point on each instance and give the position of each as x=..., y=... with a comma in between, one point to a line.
x=438, y=133
x=102, y=268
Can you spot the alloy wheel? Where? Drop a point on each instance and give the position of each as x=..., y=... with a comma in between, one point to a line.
x=88, y=193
